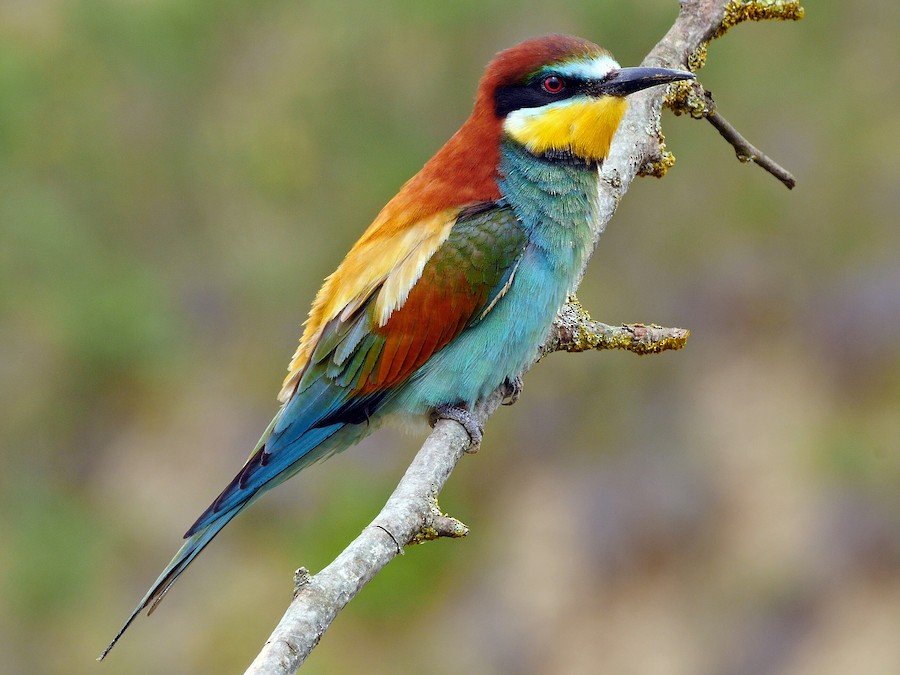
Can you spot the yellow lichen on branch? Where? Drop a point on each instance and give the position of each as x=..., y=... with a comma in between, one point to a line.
x=758, y=10
x=439, y=525
x=738, y=11
x=576, y=331
x=661, y=164
x=683, y=98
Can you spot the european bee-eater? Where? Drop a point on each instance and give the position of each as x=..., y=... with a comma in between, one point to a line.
x=450, y=291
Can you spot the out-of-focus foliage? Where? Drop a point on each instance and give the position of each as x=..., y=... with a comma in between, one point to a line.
x=176, y=177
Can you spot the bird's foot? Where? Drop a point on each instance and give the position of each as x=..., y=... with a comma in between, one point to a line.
x=512, y=389
x=465, y=418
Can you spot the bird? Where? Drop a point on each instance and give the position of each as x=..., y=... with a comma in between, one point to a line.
x=449, y=292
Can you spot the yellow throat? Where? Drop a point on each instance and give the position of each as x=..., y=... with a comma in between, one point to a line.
x=583, y=126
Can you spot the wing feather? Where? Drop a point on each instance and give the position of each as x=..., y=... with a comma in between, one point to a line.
x=374, y=344
x=388, y=259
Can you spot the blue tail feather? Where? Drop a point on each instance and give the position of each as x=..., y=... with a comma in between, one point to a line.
x=250, y=483
x=293, y=441
x=263, y=471
x=173, y=570
x=305, y=430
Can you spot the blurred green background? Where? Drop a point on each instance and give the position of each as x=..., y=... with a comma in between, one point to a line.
x=176, y=178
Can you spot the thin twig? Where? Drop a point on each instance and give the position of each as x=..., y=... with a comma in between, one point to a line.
x=691, y=98
x=747, y=152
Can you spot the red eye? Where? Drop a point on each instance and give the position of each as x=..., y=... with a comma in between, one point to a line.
x=552, y=84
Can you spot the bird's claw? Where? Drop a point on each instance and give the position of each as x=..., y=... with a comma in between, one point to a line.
x=512, y=389
x=464, y=418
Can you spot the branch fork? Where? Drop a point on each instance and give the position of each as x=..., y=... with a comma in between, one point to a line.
x=691, y=98
x=412, y=514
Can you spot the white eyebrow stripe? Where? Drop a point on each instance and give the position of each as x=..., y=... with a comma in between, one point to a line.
x=588, y=69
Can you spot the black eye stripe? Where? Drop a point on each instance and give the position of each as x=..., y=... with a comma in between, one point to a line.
x=533, y=94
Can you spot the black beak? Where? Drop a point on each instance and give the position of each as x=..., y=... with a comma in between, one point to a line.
x=629, y=80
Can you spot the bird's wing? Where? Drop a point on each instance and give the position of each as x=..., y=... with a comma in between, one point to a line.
x=386, y=261
x=370, y=353
x=379, y=273
x=360, y=357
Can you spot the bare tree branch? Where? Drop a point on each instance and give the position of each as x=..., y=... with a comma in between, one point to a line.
x=690, y=98
x=412, y=515
x=746, y=152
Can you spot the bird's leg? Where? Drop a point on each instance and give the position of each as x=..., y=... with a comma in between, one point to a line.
x=512, y=389
x=457, y=413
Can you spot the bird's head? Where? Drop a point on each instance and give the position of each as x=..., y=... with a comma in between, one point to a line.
x=556, y=96
x=562, y=95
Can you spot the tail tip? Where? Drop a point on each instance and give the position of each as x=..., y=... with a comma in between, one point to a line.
x=121, y=631
x=107, y=650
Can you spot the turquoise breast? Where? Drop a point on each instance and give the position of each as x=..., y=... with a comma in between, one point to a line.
x=554, y=202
